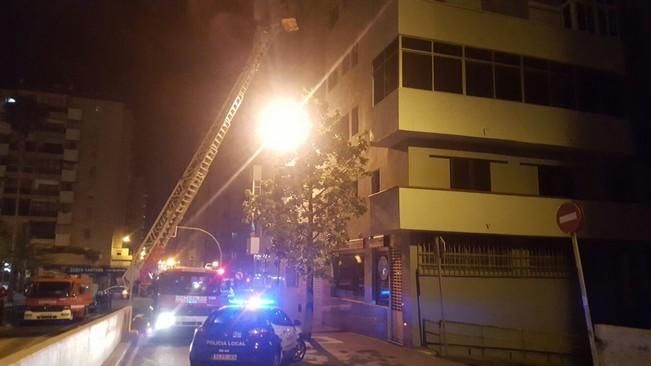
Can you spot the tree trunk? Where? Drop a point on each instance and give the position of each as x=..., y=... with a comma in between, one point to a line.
x=309, y=304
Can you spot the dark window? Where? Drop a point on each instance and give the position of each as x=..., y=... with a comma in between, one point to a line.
x=334, y=16
x=479, y=79
x=8, y=206
x=416, y=70
x=479, y=54
x=561, y=85
x=536, y=81
x=348, y=273
x=507, y=83
x=567, y=16
x=354, y=57
x=588, y=90
x=447, y=49
x=447, y=74
x=385, y=72
x=514, y=8
x=612, y=23
x=472, y=174
x=611, y=86
x=23, y=208
x=43, y=230
x=345, y=65
x=584, y=17
x=354, y=121
x=555, y=181
x=417, y=44
x=333, y=79
x=603, y=23
x=375, y=181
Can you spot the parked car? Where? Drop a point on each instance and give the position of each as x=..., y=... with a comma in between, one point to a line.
x=117, y=292
x=246, y=335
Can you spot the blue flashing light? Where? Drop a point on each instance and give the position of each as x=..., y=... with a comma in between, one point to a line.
x=252, y=303
x=385, y=293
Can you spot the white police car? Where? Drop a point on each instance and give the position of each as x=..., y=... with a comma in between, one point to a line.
x=251, y=333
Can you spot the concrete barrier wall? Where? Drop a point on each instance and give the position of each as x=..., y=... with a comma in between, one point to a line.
x=90, y=344
x=620, y=346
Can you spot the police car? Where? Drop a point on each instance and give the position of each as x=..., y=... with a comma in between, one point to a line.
x=251, y=333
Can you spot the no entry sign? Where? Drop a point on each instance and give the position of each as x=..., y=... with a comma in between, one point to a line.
x=569, y=217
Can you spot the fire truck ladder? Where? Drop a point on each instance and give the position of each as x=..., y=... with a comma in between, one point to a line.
x=188, y=185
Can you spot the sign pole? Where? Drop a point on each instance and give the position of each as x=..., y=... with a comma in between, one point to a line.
x=584, y=301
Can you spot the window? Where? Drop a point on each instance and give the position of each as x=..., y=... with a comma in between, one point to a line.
x=334, y=16
x=42, y=230
x=472, y=174
x=354, y=56
x=8, y=206
x=375, y=181
x=354, y=121
x=416, y=70
x=536, y=81
x=587, y=90
x=87, y=234
x=479, y=72
x=345, y=65
x=447, y=70
x=385, y=72
x=555, y=181
x=333, y=79
x=507, y=77
x=567, y=16
x=348, y=270
x=584, y=17
x=341, y=127
x=513, y=8
x=561, y=85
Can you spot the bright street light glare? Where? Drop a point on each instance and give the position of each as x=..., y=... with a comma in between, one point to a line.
x=284, y=125
x=126, y=239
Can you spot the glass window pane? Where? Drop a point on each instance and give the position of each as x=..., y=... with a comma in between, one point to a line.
x=378, y=85
x=507, y=58
x=478, y=54
x=416, y=71
x=391, y=74
x=479, y=79
x=416, y=44
x=589, y=98
x=447, y=49
x=536, y=87
x=447, y=74
x=561, y=85
x=507, y=83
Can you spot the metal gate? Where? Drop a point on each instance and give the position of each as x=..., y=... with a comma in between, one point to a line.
x=397, y=320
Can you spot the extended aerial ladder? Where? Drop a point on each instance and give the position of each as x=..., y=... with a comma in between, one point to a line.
x=188, y=185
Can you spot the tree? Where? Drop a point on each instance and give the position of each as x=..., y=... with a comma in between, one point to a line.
x=312, y=194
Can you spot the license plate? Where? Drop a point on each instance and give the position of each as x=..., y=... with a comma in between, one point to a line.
x=223, y=357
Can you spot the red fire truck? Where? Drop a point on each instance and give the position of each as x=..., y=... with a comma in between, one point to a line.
x=58, y=296
x=185, y=296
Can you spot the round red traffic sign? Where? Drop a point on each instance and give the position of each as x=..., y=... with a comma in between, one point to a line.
x=569, y=217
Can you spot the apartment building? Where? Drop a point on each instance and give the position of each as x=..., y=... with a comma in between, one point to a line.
x=65, y=179
x=484, y=117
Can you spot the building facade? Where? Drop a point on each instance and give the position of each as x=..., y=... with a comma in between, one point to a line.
x=484, y=117
x=65, y=179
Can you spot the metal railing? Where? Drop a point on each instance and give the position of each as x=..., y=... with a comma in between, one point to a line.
x=492, y=342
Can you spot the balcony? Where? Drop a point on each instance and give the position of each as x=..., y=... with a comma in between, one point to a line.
x=64, y=218
x=73, y=134
x=66, y=196
x=71, y=155
x=467, y=24
x=500, y=214
x=422, y=114
x=69, y=175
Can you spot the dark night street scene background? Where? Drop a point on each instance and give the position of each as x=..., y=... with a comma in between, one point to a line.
x=492, y=141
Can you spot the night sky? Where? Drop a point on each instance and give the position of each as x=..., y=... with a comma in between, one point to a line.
x=170, y=61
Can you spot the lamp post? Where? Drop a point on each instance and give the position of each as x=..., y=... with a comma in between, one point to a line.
x=193, y=228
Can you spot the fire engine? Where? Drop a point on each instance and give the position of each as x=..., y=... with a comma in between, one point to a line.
x=58, y=296
x=185, y=296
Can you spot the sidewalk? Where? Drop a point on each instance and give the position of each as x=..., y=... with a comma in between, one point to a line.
x=351, y=349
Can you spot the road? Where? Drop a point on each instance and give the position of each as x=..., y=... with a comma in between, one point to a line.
x=326, y=349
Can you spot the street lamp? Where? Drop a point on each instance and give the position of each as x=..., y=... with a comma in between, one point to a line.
x=284, y=125
x=126, y=239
